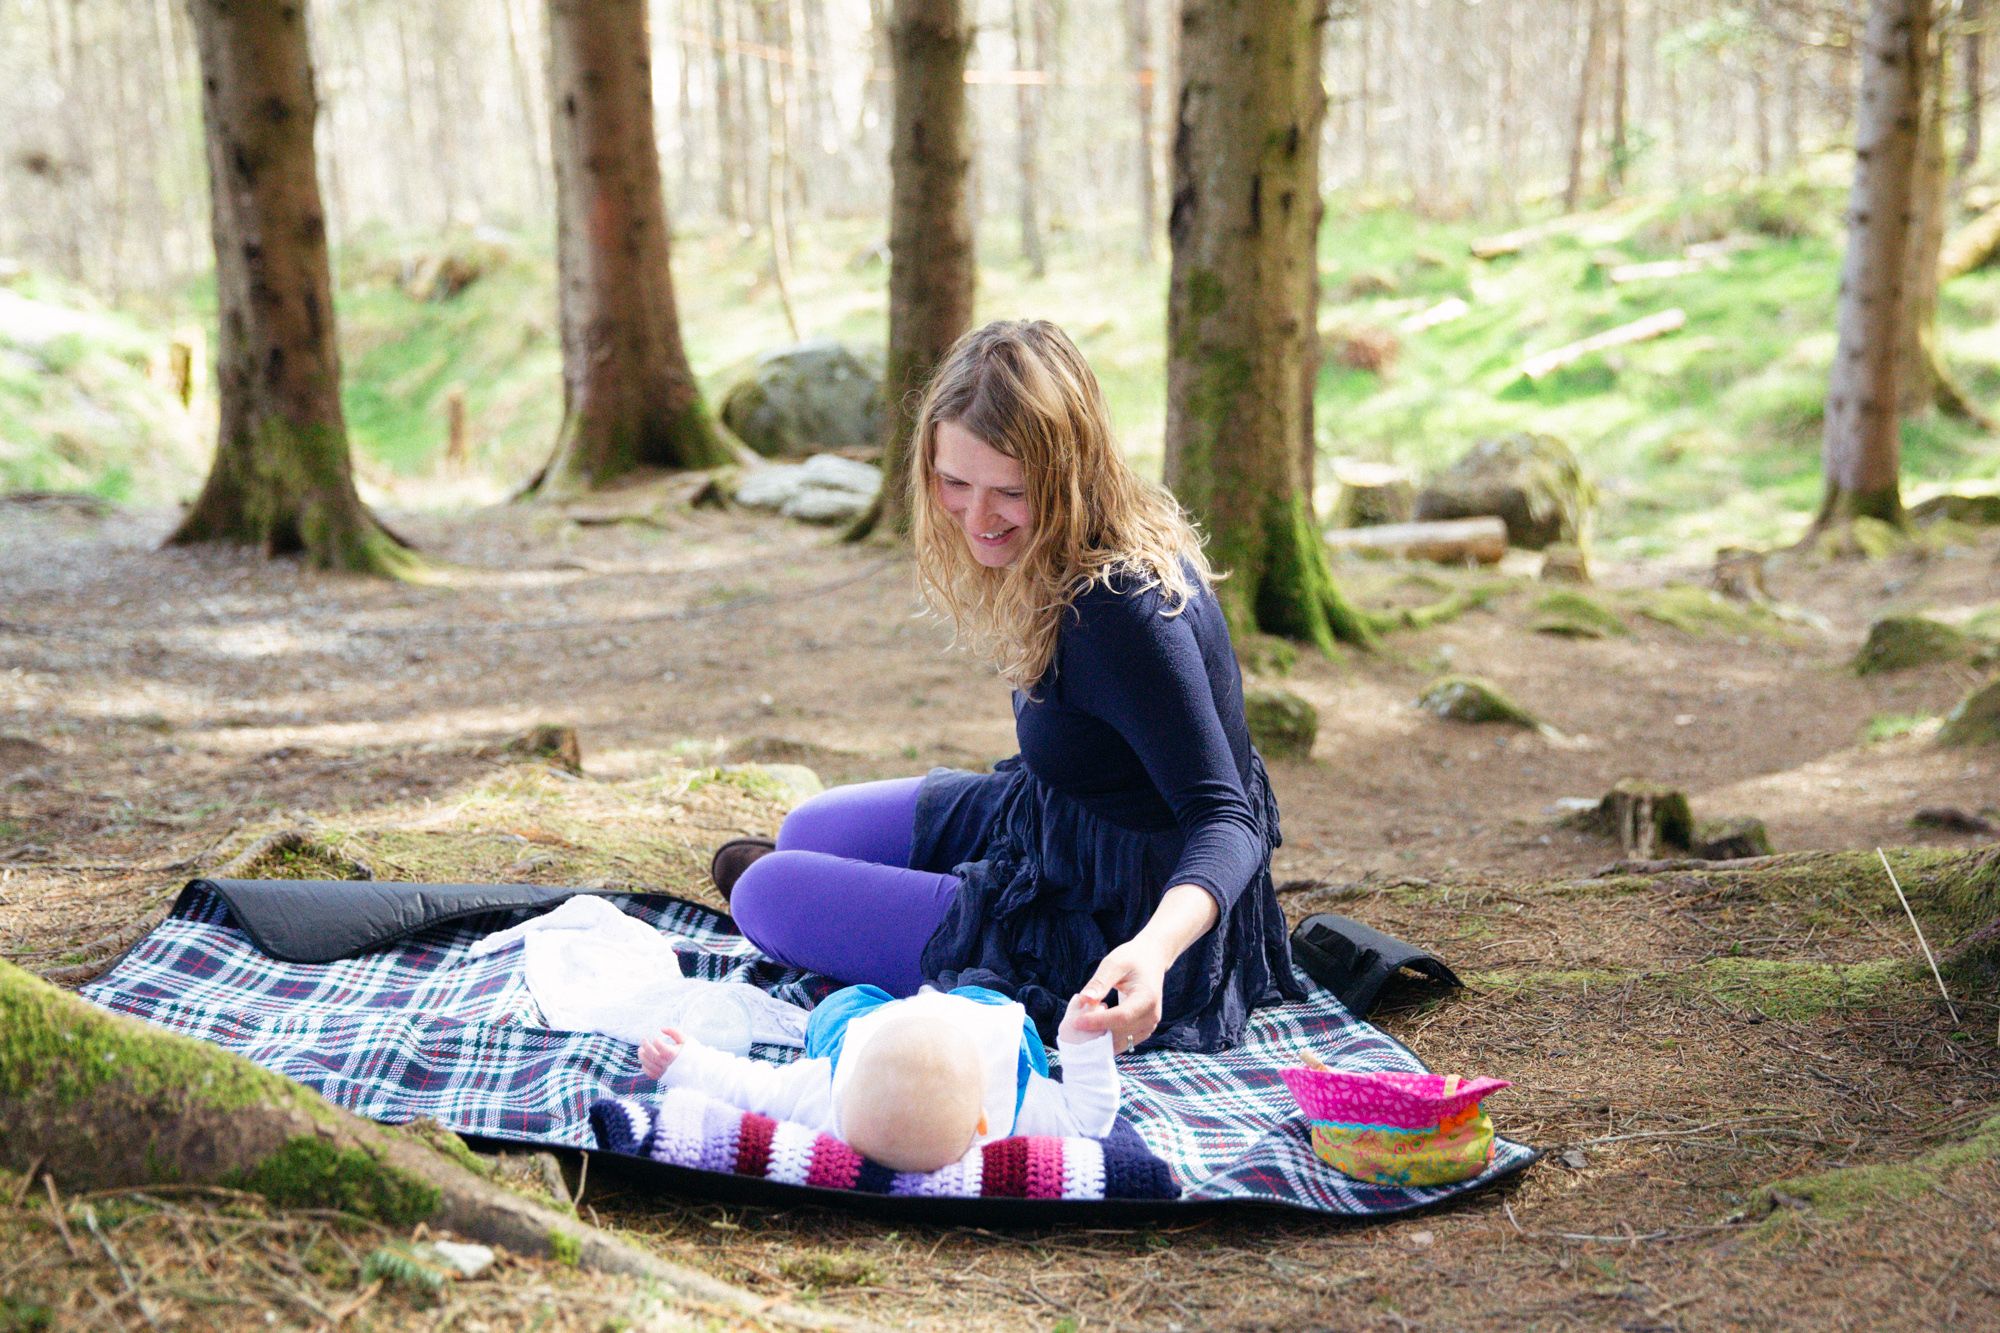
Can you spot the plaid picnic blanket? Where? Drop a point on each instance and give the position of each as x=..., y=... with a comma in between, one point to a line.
x=422, y=1029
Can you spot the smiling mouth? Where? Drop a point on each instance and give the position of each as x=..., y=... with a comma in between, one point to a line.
x=995, y=538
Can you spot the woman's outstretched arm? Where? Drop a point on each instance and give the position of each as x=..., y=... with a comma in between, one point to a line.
x=1137, y=969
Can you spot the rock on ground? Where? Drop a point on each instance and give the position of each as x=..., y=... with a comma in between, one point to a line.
x=807, y=398
x=1533, y=483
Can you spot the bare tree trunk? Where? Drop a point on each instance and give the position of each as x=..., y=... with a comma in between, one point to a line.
x=522, y=32
x=727, y=126
x=629, y=398
x=1616, y=156
x=1861, y=452
x=1242, y=227
x=1139, y=60
x=1364, y=94
x=1586, y=94
x=282, y=477
x=1027, y=131
x=1972, y=14
x=774, y=31
x=1920, y=381
x=931, y=267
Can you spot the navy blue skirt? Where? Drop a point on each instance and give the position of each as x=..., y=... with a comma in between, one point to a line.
x=1050, y=888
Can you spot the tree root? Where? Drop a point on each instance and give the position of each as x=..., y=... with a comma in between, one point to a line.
x=101, y=1101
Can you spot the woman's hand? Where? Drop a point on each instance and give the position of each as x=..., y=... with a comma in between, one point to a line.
x=660, y=1050
x=1137, y=970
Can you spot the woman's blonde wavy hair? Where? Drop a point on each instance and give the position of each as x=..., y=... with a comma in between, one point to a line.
x=1022, y=388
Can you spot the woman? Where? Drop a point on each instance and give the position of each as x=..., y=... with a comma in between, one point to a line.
x=1127, y=847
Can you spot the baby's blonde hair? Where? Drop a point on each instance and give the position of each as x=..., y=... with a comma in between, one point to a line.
x=1022, y=388
x=913, y=1098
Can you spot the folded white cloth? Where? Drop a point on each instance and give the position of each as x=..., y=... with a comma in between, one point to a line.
x=591, y=968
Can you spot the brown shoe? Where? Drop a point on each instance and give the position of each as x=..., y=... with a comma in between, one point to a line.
x=732, y=858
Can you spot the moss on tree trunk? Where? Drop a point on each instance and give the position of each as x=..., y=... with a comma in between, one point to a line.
x=282, y=478
x=1244, y=219
x=630, y=399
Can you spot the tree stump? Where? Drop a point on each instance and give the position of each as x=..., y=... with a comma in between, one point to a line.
x=1372, y=494
x=1644, y=817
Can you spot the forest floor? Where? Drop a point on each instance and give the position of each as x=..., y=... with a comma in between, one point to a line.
x=1677, y=1042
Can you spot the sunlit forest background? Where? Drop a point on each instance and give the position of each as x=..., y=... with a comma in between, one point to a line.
x=1669, y=124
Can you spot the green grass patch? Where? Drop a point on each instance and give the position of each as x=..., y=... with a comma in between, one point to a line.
x=1791, y=990
x=1889, y=726
x=1851, y=1191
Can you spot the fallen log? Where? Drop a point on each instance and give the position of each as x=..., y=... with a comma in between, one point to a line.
x=1971, y=246
x=1661, y=268
x=1638, y=331
x=1444, y=312
x=1454, y=541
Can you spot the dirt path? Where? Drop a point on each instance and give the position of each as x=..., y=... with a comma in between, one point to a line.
x=1686, y=1042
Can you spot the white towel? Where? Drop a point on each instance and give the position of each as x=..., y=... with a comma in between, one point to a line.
x=591, y=968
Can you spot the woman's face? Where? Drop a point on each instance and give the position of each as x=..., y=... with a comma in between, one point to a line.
x=985, y=492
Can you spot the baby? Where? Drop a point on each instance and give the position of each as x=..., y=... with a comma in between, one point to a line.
x=913, y=1083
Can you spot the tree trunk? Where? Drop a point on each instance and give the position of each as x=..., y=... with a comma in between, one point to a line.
x=1972, y=14
x=774, y=33
x=1861, y=451
x=930, y=230
x=728, y=157
x=1619, y=152
x=1920, y=381
x=1586, y=93
x=629, y=397
x=1242, y=228
x=282, y=478
x=1027, y=130
x=1139, y=60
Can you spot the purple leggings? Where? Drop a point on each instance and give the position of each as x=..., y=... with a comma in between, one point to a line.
x=838, y=896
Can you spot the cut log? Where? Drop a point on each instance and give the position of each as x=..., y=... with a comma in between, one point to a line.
x=1444, y=312
x=1513, y=242
x=1638, y=331
x=1972, y=247
x=1452, y=541
x=1661, y=268
x=1372, y=494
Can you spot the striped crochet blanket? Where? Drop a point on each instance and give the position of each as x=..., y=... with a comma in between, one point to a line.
x=691, y=1129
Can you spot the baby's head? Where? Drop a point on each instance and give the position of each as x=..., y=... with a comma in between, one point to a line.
x=912, y=1099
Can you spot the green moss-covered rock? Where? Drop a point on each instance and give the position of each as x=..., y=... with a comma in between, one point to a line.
x=1533, y=483
x=1976, y=719
x=1896, y=643
x=1974, y=510
x=1469, y=699
x=1731, y=839
x=1282, y=724
x=808, y=398
x=1266, y=655
x=1700, y=612
x=1575, y=615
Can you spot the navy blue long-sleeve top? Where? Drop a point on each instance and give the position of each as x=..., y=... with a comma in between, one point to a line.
x=1136, y=774
x=1140, y=719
